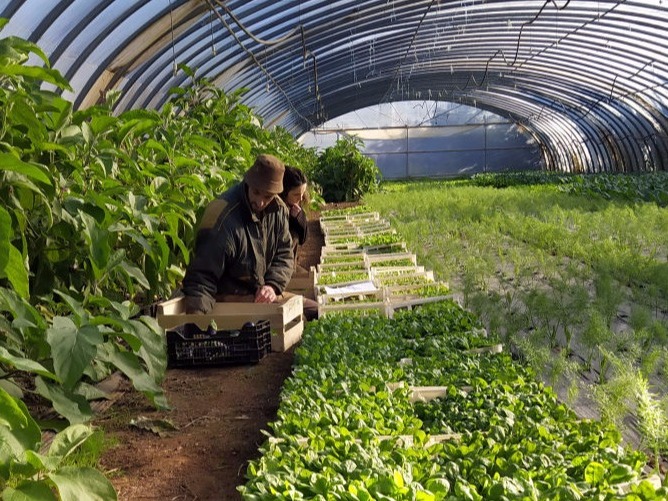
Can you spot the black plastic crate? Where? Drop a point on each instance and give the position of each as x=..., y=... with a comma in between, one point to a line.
x=189, y=346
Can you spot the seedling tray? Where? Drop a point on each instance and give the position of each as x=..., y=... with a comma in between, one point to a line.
x=190, y=346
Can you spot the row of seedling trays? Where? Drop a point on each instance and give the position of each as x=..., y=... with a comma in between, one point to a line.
x=427, y=406
x=365, y=267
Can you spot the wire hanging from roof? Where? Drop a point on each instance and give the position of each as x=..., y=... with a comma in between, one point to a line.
x=524, y=25
x=408, y=49
x=213, y=43
x=513, y=63
x=229, y=12
x=171, y=29
x=307, y=53
x=610, y=98
x=258, y=63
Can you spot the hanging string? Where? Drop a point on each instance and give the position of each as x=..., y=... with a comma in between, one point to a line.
x=213, y=43
x=397, y=72
x=171, y=26
x=259, y=64
x=524, y=25
x=229, y=12
x=513, y=62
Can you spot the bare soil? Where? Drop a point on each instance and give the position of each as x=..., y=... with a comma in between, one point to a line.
x=218, y=416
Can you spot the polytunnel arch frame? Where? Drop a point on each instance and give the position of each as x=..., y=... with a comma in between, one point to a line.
x=317, y=70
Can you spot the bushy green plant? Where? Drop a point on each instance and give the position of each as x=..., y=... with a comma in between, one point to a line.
x=344, y=173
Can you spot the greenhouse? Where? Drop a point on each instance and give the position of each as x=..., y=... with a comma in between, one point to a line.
x=346, y=250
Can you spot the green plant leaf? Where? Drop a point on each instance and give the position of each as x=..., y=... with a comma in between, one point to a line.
x=102, y=123
x=72, y=348
x=424, y=496
x=6, y=233
x=98, y=243
x=24, y=314
x=22, y=46
x=82, y=484
x=594, y=473
x=29, y=490
x=438, y=485
x=68, y=440
x=621, y=473
x=15, y=271
x=35, y=72
x=19, y=181
x=12, y=388
x=75, y=306
x=71, y=135
x=25, y=364
x=12, y=163
x=19, y=432
x=71, y=406
x=129, y=364
x=23, y=114
x=153, y=346
x=134, y=272
x=40, y=462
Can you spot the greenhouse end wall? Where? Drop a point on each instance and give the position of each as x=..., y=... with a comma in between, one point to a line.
x=443, y=151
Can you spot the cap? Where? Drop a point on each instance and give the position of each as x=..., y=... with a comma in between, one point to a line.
x=266, y=174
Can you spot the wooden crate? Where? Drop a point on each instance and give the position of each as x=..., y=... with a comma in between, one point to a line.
x=360, y=308
x=396, y=303
x=337, y=288
x=339, y=231
x=385, y=248
x=330, y=278
x=395, y=271
x=379, y=260
x=341, y=267
x=285, y=318
x=364, y=216
x=339, y=258
x=329, y=250
x=348, y=246
x=354, y=297
x=361, y=216
x=373, y=229
x=425, y=393
x=303, y=284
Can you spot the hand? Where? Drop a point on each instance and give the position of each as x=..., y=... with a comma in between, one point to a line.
x=295, y=209
x=265, y=294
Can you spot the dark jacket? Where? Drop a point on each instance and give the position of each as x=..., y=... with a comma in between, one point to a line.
x=236, y=252
x=298, y=227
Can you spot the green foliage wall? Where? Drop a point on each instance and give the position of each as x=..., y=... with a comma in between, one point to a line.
x=97, y=218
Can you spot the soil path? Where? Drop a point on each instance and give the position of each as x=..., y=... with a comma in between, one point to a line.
x=218, y=415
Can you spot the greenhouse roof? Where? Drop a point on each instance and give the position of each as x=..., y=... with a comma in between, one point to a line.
x=587, y=79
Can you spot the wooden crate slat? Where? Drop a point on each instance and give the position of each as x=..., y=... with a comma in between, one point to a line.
x=283, y=317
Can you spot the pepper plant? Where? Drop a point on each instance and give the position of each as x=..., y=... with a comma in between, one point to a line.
x=98, y=213
x=344, y=173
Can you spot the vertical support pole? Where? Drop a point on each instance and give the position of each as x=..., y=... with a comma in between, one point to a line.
x=407, y=172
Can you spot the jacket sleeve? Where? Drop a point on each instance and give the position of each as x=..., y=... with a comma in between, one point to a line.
x=279, y=271
x=299, y=226
x=200, y=283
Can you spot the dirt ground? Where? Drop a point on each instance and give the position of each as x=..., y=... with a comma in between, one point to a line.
x=218, y=416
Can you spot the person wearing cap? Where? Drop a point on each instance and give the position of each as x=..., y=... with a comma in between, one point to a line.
x=243, y=248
